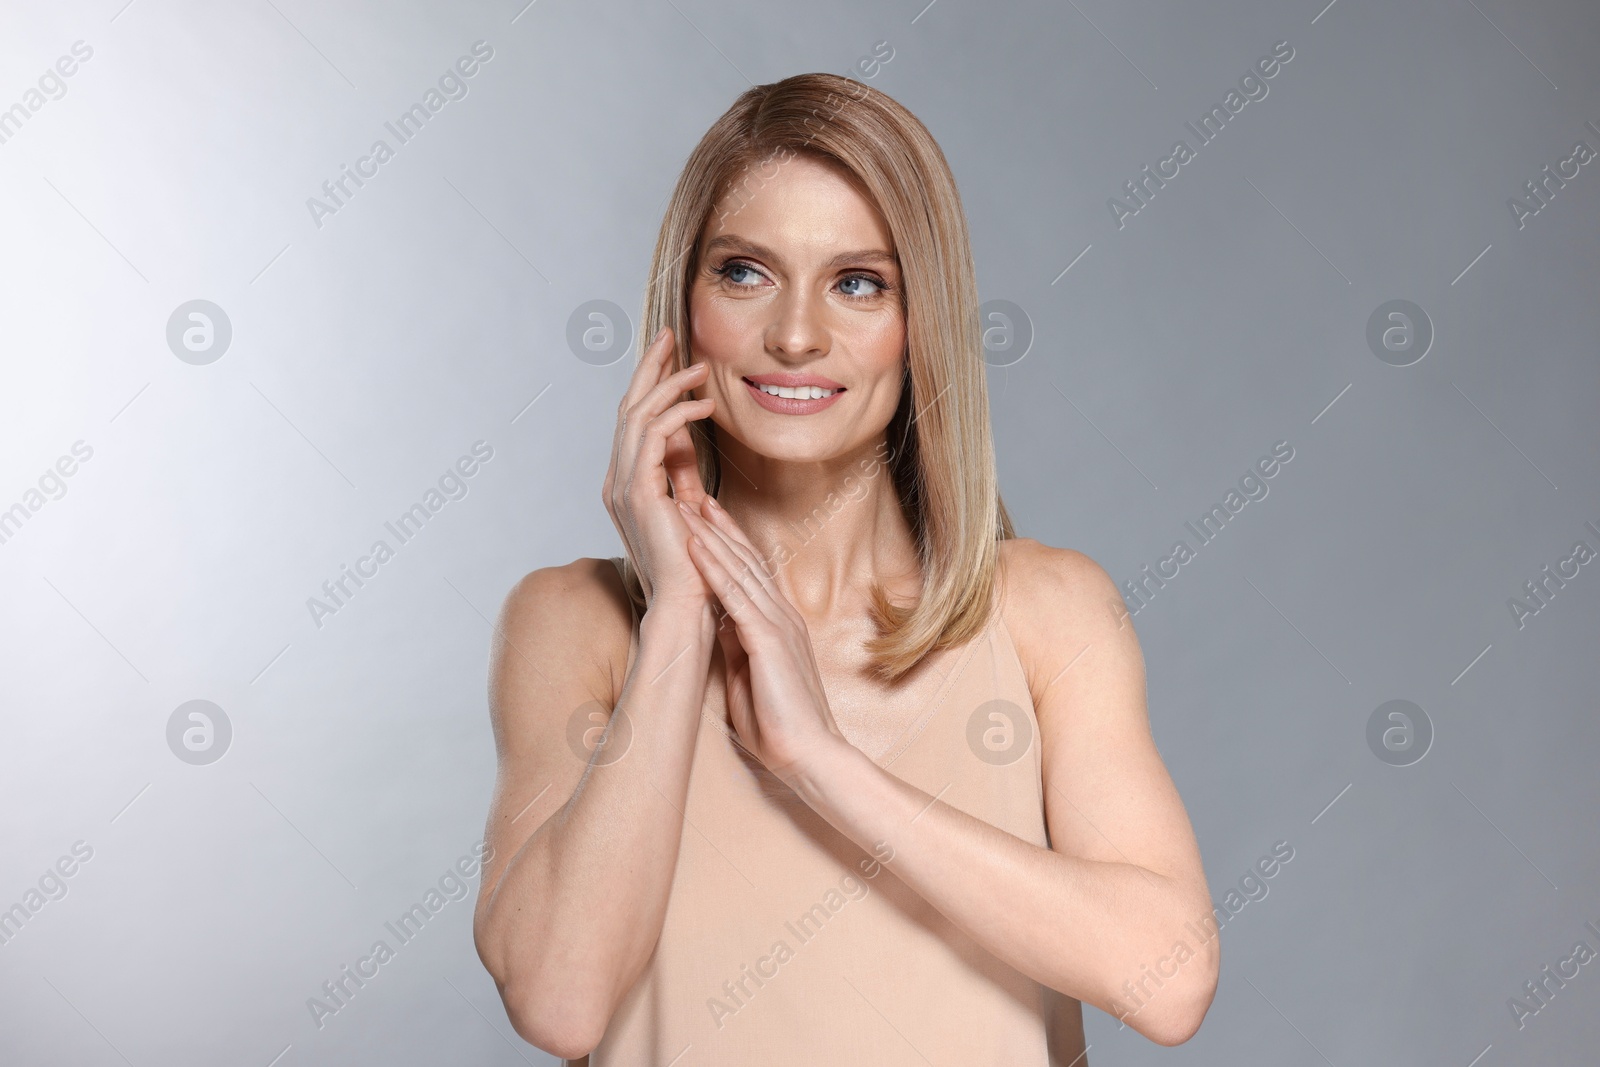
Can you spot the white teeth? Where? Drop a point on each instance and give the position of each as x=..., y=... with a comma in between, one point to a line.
x=799, y=392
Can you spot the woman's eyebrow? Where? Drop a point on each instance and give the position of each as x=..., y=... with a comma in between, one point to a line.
x=734, y=243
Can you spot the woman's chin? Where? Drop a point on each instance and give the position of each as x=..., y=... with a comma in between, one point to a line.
x=785, y=449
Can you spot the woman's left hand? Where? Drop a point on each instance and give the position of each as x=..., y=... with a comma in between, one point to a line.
x=775, y=696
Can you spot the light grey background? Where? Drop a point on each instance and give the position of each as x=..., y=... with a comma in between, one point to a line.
x=370, y=352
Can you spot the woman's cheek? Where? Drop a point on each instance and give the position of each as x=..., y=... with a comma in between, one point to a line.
x=884, y=339
x=714, y=329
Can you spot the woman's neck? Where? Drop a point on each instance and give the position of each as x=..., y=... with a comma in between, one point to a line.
x=826, y=531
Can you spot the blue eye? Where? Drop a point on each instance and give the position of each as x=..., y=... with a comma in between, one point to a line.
x=878, y=286
x=727, y=271
x=733, y=270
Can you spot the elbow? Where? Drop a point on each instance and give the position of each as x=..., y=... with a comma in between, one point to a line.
x=1174, y=1028
x=1173, y=1014
x=1168, y=1024
x=560, y=1016
x=1177, y=1019
x=563, y=1029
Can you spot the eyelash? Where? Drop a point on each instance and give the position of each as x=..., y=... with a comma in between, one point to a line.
x=733, y=264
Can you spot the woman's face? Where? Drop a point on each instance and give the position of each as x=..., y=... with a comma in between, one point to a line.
x=798, y=290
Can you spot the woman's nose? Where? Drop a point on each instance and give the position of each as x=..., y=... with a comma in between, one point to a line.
x=798, y=328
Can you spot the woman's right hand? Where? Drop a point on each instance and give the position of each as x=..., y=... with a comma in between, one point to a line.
x=651, y=451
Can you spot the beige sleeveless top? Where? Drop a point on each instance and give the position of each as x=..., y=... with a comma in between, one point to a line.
x=786, y=943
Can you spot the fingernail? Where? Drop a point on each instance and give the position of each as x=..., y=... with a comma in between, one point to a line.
x=713, y=501
x=659, y=334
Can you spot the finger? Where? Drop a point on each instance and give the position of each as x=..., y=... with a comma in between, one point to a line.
x=737, y=685
x=724, y=583
x=718, y=518
x=734, y=656
x=660, y=396
x=645, y=376
x=659, y=400
x=647, y=482
x=653, y=438
x=750, y=577
x=682, y=463
x=734, y=537
x=652, y=396
x=619, y=470
x=651, y=367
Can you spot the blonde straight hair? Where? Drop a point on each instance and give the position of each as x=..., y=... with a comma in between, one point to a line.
x=941, y=452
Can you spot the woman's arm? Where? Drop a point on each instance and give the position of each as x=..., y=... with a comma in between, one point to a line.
x=572, y=902
x=571, y=905
x=1105, y=906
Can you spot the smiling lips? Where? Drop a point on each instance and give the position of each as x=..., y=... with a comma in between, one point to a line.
x=793, y=394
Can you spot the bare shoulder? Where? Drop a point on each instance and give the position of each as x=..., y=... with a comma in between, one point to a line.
x=1047, y=589
x=1058, y=603
x=563, y=633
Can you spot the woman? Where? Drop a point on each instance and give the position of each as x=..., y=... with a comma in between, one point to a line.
x=879, y=785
